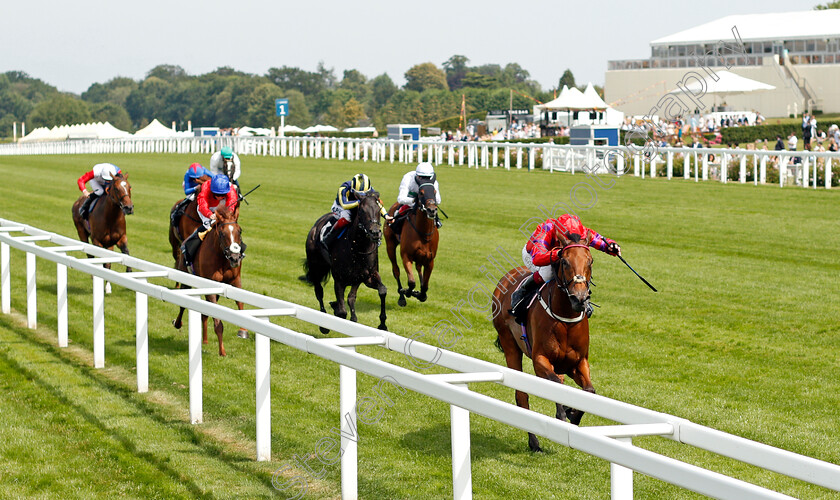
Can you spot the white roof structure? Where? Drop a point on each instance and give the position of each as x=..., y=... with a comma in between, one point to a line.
x=290, y=128
x=360, y=130
x=156, y=129
x=593, y=98
x=320, y=128
x=807, y=24
x=574, y=99
x=96, y=130
x=252, y=131
x=727, y=83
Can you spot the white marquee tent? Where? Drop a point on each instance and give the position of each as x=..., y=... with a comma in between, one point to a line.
x=157, y=129
x=96, y=130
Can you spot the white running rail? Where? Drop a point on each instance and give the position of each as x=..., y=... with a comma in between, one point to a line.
x=611, y=443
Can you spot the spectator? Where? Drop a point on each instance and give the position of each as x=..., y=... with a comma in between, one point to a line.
x=792, y=141
x=780, y=146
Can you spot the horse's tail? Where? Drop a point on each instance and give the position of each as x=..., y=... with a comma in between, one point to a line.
x=498, y=344
x=311, y=278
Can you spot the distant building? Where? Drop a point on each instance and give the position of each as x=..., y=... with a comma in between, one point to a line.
x=797, y=52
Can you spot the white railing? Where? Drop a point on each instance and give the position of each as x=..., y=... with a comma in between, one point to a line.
x=796, y=167
x=612, y=443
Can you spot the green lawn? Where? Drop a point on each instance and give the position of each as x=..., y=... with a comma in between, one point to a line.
x=743, y=337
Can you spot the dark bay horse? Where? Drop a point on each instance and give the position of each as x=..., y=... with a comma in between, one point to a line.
x=353, y=259
x=219, y=258
x=418, y=242
x=105, y=226
x=557, y=328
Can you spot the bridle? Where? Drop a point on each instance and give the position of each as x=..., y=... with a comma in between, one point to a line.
x=564, y=285
x=229, y=250
x=117, y=195
x=229, y=167
x=370, y=235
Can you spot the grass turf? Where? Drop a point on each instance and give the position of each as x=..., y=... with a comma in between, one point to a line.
x=742, y=337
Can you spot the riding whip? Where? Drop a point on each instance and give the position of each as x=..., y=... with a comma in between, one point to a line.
x=637, y=274
x=444, y=213
x=242, y=196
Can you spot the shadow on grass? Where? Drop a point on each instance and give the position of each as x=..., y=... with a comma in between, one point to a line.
x=436, y=440
x=146, y=408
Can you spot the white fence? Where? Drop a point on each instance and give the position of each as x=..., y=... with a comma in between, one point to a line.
x=611, y=443
x=796, y=167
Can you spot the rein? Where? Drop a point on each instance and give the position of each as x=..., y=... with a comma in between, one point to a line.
x=564, y=285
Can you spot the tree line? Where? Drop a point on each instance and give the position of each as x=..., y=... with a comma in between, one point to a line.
x=230, y=98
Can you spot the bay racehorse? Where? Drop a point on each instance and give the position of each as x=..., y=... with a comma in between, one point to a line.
x=219, y=258
x=105, y=226
x=353, y=259
x=418, y=242
x=557, y=327
x=183, y=223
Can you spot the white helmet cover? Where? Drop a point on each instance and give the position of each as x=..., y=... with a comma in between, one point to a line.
x=425, y=169
x=108, y=171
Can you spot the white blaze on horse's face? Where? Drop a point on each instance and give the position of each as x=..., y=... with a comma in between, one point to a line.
x=234, y=246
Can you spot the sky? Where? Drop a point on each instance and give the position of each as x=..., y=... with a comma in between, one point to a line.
x=73, y=44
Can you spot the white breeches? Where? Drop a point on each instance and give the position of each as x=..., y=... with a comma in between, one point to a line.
x=546, y=273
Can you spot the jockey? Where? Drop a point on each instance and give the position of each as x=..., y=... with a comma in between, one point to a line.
x=191, y=184
x=99, y=177
x=410, y=188
x=217, y=164
x=543, y=249
x=210, y=195
x=345, y=202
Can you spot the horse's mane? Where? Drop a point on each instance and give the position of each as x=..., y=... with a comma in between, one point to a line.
x=222, y=212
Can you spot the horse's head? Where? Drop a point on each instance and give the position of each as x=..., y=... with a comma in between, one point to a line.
x=228, y=167
x=367, y=216
x=427, y=200
x=120, y=192
x=573, y=271
x=229, y=235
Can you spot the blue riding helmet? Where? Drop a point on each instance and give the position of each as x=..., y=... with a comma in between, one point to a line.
x=220, y=184
x=196, y=171
x=227, y=152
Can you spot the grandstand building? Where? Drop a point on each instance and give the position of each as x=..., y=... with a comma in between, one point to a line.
x=797, y=52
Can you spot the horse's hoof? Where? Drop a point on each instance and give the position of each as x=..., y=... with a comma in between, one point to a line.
x=383, y=327
x=324, y=330
x=176, y=324
x=107, y=288
x=402, y=301
x=422, y=297
x=204, y=341
x=242, y=334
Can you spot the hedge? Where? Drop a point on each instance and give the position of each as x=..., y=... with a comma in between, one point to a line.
x=741, y=135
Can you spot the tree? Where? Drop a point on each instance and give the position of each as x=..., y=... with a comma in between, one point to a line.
x=289, y=78
x=425, y=76
x=148, y=100
x=355, y=82
x=567, y=79
x=110, y=112
x=62, y=109
x=456, y=68
x=477, y=80
x=168, y=72
x=115, y=90
x=382, y=88
x=829, y=5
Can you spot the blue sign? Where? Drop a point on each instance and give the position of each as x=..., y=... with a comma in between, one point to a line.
x=282, y=107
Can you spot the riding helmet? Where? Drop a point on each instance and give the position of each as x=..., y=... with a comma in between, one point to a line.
x=220, y=184
x=196, y=170
x=360, y=183
x=227, y=152
x=424, y=173
x=109, y=170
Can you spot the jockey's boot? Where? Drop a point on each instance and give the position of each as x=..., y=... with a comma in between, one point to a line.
x=329, y=238
x=190, y=245
x=84, y=209
x=518, y=304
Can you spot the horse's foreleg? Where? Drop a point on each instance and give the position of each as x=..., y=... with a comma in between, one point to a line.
x=237, y=282
x=108, y=283
x=513, y=359
x=395, y=269
x=177, y=322
x=376, y=282
x=544, y=369
x=581, y=377
x=351, y=301
x=424, y=284
x=338, y=305
x=409, y=274
x=218, y=326
x=123, y=246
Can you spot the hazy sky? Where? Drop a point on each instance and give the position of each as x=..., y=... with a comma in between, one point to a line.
x=72, y=44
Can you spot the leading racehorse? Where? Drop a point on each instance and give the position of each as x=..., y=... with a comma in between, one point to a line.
x=418, y=242
x=557, y=334
x=183, y=223
x=353, y=259
x=219, y=258
x=105, y=226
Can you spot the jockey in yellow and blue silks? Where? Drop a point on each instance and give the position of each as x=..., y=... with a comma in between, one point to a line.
x=344, y=204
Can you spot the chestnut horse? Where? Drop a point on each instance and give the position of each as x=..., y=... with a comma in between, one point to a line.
x=418, y=242
x=353, y=259
x=219, y=258
x=105, y=226
x=187, y=222
x=557, y=327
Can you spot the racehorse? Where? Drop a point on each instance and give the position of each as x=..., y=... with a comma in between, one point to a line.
x=557, y=327
x=418, y=242
x=219, y=258
x=353, y=259
x=105, y=226
x=183, y=224
x=228, y=168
